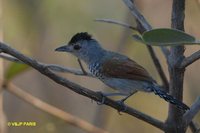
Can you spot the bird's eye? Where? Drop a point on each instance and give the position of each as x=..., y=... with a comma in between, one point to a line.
x=77, y=47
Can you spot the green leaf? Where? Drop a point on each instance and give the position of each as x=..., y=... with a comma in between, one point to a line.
x=168, y=37
x=15, y=69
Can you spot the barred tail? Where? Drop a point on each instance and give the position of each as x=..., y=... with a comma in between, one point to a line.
x=156, y=89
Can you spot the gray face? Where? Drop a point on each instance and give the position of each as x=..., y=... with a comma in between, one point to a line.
x=82, y=46
x=79, y=49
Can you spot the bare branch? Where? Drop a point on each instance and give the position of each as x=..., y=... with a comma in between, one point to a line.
x=70, y=119
x=117, y=23
x=54, y=67
x=165, y=50
x=79, y=89
x=195, y=108
x=137, y=15
x=81, y=66
x=10, y=58
x=176, y=74
x=159, y=68
x=191, y=59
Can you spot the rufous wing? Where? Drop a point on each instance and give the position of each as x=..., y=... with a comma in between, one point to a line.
x=125, y=68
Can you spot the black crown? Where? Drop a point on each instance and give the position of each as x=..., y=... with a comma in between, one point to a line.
x=80, y=36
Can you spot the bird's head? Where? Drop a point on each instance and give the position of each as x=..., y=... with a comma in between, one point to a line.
x=83, y=46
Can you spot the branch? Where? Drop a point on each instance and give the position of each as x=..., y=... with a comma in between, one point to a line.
x=116, y=22
x=159, y=68
x=176, y=74
x=79, y=89
x=143, y=25
x=195, y=108
x=165, y=51
x=73, y=120
x=191, y=59
x=10, y=58
x=54, y=67
x=137, y=15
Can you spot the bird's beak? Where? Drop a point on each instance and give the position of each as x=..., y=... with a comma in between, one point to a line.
x=64, y=48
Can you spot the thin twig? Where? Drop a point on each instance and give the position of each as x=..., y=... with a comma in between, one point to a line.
x=54, y=67
x=165, y=51
x=159, y=68
x=79, y=89
x=195, y=108
x=68, y=118
x=137, y=14
x=191, y=59
x=81, y=66
x=117, y=23
x=10, y=58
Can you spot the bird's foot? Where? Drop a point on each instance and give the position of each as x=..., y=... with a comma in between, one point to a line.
x=103, y=98
x=104, y=95
x=123, y=107
x=121, y=102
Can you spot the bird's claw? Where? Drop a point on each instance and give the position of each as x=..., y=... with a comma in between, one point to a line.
x=122, y=105
x=103, y=98
x=102, y=101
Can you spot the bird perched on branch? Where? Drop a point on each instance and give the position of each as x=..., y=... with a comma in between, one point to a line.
x=115, y=70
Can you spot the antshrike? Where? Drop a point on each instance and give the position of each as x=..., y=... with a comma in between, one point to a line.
x=115, y=70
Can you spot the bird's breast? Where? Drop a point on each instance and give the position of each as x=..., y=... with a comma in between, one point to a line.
x=95, y=69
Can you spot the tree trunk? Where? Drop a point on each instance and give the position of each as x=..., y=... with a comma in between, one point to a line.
x=176, y=73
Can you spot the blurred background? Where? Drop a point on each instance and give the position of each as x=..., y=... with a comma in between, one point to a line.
x=37, y=27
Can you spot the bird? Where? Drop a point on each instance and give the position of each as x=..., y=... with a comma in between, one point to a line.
x=117, y=71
